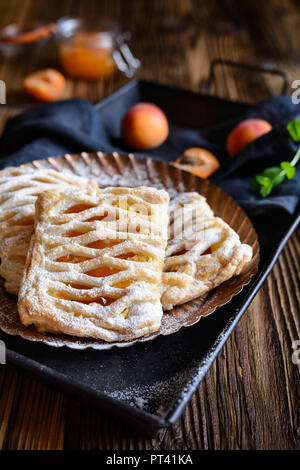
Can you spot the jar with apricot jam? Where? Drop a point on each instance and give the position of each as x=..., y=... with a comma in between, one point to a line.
x=92, y=50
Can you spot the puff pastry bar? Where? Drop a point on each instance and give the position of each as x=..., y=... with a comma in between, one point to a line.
x=202, y=252
x=19, y=189
x=95, y=263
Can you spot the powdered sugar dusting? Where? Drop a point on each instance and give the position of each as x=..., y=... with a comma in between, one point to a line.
x=135, y=172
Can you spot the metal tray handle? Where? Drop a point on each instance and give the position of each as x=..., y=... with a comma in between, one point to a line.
x=249, y=67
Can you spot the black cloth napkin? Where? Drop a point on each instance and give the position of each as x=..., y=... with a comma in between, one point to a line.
x=75, y=125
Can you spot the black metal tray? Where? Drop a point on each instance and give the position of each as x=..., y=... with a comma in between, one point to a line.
x=149, y=384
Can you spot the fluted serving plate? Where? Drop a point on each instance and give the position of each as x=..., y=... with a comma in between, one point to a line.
x=128, y=170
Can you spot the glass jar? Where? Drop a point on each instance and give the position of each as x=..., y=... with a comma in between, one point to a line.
x=92, y=49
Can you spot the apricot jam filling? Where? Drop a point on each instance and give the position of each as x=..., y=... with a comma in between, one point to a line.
x=172, y=269
x=181, y=252
x=82, y=59
x=25, y=222
x=103, y=271
x=104, y=301
x=106, y=218
x=100, y=244
x=21, y=258
x=78, y=208
x=134, y=257
x=122, y=284
x=216, y=246
x=126, y=256
x=73, y=233
x=79, y=286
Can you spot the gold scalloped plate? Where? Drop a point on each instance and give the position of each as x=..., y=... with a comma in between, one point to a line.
x=128, y=170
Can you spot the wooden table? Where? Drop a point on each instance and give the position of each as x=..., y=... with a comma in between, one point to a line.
x=250, y=397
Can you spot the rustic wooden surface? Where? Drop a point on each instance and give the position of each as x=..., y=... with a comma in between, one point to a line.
x=250, y=397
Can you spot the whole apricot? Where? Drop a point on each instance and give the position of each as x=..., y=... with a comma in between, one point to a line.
x=244, y=133
x=45, y=85
x=198, y=161
x=144, y=126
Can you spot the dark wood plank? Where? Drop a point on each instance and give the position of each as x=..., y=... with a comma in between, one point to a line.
x=250, y=397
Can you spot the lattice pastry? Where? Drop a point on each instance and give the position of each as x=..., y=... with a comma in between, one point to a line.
x=95, y=262
x=202, y=252
x=19, y=189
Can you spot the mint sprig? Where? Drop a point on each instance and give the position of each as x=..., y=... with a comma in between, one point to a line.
x=294, y=129
x=275, y=175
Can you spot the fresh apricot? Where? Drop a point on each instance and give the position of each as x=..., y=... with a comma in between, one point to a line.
x=144, y=126
x=198, y=161
x=244, y=133
x=45, y=85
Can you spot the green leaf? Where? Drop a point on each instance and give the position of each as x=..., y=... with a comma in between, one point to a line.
x=279, y=179
x=289, y=169
x=254, y=183
x=271, y=172
x=266, y=188
x=263, y=183
x=274, y=175
x=293, y=127
x=263, y=180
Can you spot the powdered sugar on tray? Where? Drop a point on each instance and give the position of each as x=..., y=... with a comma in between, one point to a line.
x=154, y=398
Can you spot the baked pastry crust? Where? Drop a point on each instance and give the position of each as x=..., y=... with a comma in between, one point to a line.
x=202, y=252
x=19, y=189
x=95, y=262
